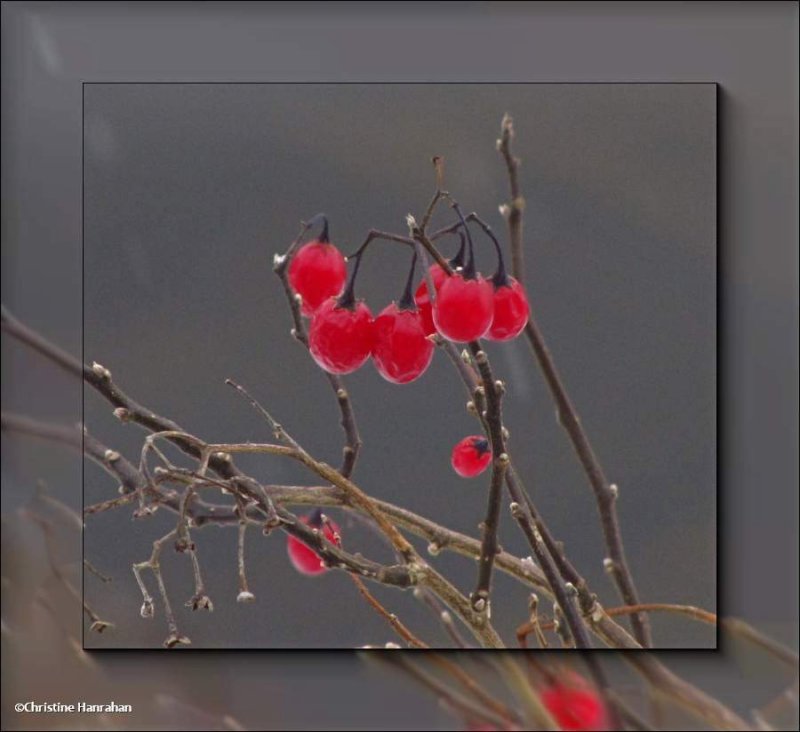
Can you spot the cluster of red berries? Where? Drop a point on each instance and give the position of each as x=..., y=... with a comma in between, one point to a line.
x=343, y=333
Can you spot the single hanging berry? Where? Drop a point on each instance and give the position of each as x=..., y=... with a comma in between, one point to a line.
x=317, y=271
x=471, y=456
x=464, y=305
x=511, y=309
x=438, y=276
x=304, y=559
x=341, y=334
x=577, y=708
x=401, y=350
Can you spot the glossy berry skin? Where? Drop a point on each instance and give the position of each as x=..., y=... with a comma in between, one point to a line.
x=423, y=300
x=340, y=338
x=317, y=271
x=304, y=559
x=511, y=311
x=575, y=708
x=401, y=351
x=464, y=308
x=471, y=456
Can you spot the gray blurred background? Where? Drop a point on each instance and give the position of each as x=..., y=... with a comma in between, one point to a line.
x=190, y=189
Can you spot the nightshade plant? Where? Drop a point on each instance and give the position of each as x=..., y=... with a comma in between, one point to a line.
x=451, y=303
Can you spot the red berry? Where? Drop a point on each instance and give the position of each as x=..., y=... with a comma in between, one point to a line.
x=576, y=708
x=464, y=307
x=423, y=300
x=304, y=559
x=316, y=272
x=401, y=351
x=471, y=456
x=510, y=311
x=340, y=337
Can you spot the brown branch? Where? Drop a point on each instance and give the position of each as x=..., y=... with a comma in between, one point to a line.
x=347, y=415
x=395, y=622
x=97, y=624
x=391, y=618
x=605, y=496
x=493, y=393
x=217, y=457
x=175, y=638
x=513, y=210
x=130, y=477
x=439, y=537
x=475, y=689
x=532, y=625
x=460, y=703
x=442, y=615
x=665, y=683
x=564, y=593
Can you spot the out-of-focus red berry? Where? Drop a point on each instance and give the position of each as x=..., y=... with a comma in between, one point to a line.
x=317, y=271
x=471, y=456
x=340, y=337
x=401, y=351
x=576, y=708
x=304, y=559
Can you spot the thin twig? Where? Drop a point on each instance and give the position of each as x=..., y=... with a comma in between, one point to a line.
x=665, y=683
x=154, y=565
x=391, y=618
x=514, y=208
x=348, y=418
x=442, y=615
x=605, y=497
x=395, y=622
x=464, y=705
x=218, y=458
x=474, y=688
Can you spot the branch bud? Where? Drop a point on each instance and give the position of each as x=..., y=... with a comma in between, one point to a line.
x=101, y=371
x=111, y=456
x=176, y=640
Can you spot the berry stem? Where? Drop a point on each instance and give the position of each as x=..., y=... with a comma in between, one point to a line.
x=469, y=271
x=314, y=220
x=348, y=299
x=500, y=277
x=458, y=258
x=407, y=300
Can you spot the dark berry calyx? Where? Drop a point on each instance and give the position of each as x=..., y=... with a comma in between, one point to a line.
x=481, y=445
x=315, y=519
